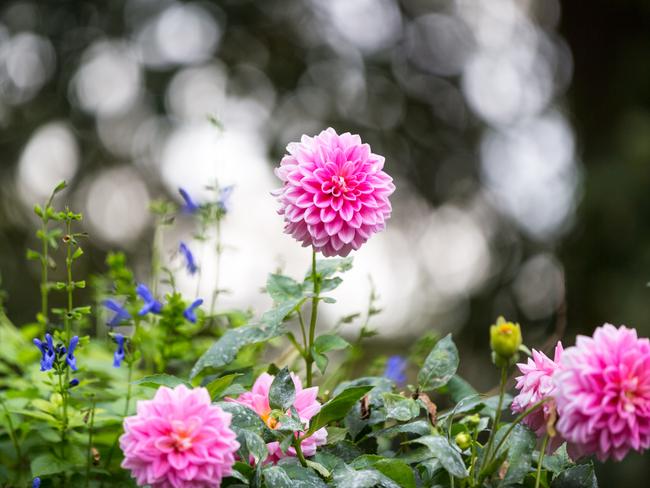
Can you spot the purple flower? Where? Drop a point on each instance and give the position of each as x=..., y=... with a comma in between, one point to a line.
x=69, y=358
x=189, y=258
x=73, y=382
x=151, y=305
x=118, y=357
x=190, y=206
x=121, y=313
x=48, y=352
x=190, y=313
x=223, y=202
x=396, y=369
x=36, y=483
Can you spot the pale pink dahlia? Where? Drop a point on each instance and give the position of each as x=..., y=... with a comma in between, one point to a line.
x=179, y=440
x=305, y=403
x=534, y=385
x=603, y=394
x=335, y=194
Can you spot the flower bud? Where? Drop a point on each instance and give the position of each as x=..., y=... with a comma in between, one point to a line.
x=505, y=340
x=463, y=440
x=473, y=420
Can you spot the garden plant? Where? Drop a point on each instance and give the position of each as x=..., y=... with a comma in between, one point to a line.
x=149, y=387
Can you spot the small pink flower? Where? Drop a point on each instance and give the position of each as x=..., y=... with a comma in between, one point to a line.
x=535, y=384
x=179, y=440
x=603, y=394
x=335, y=194
x=306, y=404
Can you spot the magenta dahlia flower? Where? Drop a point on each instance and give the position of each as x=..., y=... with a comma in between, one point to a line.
x=603, y=394
x=334, y=194
x=179, y=440
x=306, y=404
x=534, y=385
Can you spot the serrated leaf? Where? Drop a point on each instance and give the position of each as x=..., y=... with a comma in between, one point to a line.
x=158, y=380
x=346, y=477
x=441, y=449
x=326, y=343
x=440, y=365
x=283, y=391
x=282, y=288
x=328, y=267
x=338, y=407
x=400, y=408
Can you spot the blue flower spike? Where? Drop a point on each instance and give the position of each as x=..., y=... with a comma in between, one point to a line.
x=190, y=262
x=151, y=305
x=190, y=312
x=396, y=369
x=190, y=205
x=36, y=482
x=121, y=313
x=118, y=357
x=69, y=358
x=48, y=352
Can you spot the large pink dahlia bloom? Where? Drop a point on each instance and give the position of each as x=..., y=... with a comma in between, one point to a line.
x=334, y=194
x=179, y=440
x=603, y=394
x=306, y=404
x=534, y=385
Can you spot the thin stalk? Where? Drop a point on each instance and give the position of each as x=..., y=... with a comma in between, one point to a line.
x=309, y=360
x=70, y=285
x=299, y=454
x=12, y=433
x=219, y=251
x=90, y=443
x=302, y=330
x=155, y=256
x=497, y=415
x=540, y=460
x=129, y=389
x=64, y=400
x=45, y=256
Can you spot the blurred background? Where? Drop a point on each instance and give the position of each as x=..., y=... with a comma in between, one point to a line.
x=518, y=133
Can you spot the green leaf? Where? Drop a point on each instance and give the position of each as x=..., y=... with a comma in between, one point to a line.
x=283, y=288
x=217, y=387
x=440, y=365
x=400, y=408
x=444, y=452
x=225, y=349
x=458, y=389
x=520, y=446
x=291, y=476
x=581, y=476
x=48, y=464
x=394, y=469
x=418, y=427
x=283, y=392
x=346, y=477
x=328, y=267
x=558, y=461
x=251, y=444
x=33, y=255
x=243, y=418
x=338, y=407
x=326, y=343
x=157, y=380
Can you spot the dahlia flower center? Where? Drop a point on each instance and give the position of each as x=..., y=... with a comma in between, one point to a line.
x=629, y=393
x=269, y=420
x=182, y=435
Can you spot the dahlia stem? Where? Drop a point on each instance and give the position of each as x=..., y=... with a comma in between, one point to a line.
x=540, y=460
x=497, y=415
x=298, y=448
x=309, y=360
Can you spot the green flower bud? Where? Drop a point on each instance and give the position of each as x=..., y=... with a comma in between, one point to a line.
x=473, y=420
x=505, y=340
x=463, y=440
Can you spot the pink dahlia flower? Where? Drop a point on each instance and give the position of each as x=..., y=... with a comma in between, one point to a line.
x=179, y=440
x=306, y=404
x=603, y=394
x=534, y=385
x=335, y=194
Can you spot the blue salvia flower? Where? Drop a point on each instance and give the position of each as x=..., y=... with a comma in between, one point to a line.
x=73, y=382
x=189, y=258
x=190, y=312
x=48, y=352
x=118, y=357
x=396, y=369
x=223, y=202
x=69, y=358
x=190, y=206
x=36, y=483
x=121, y=313
x=151, y=305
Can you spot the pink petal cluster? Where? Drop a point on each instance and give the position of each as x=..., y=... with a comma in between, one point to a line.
x=335, y=194
x=534, y=385
x=306, y=404
x=179, y=440
x=603, y=394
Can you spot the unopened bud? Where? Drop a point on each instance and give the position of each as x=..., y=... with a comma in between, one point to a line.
x=463, y=440
x=505, y=340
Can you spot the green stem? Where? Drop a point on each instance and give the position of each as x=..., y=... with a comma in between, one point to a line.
x=64, y=400
x=497, y=415
x=155, y=255
x=540, y=460
x=219, y=251
x=302, y=330
x=299, y=454
x=128, y=389
x=12, y=433
x=44, y=277
x=309, y=360
x=90, y=443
